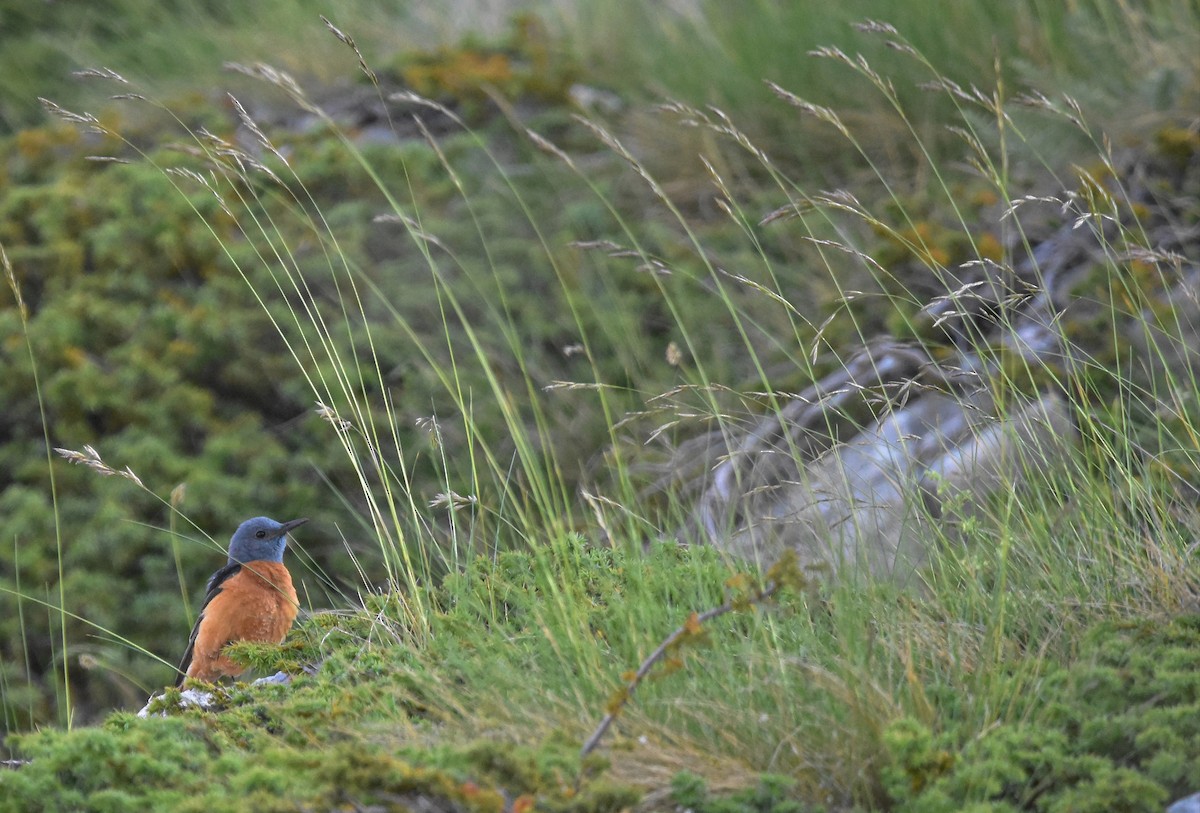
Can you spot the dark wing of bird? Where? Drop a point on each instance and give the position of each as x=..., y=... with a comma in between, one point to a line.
x=214, y=587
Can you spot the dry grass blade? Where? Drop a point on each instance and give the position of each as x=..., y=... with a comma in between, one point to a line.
x=330, y=416
x=409, y=97
x=280, y=79
x=13, y=284
x=824, y=114
x=789, y=211
x=546, y=146
x=614, y=144
x=90, y=458
x=66, y=115
x=348, y=41
x=100, y=73
x=877, y=27
x=596, y=245
x=250, y=124
x=452, y=499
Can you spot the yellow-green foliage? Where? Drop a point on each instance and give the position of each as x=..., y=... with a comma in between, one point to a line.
x=1179, y=144
x=528, y=66
x=1119, y=731
x=495, y=701
x=177, y=335
x=335, y=738
x=198, y=764
x=151, y=346
x=771, y=795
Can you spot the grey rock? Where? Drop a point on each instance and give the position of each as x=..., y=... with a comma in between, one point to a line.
x=1188, y=804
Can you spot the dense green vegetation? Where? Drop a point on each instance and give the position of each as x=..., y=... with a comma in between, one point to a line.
x=467, y=347
x=389, y=721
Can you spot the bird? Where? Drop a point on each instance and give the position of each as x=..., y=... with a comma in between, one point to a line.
x=250, y=599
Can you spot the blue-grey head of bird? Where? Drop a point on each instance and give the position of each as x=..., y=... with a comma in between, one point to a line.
x=261, y=539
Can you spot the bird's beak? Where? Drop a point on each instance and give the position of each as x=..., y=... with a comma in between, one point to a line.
x=295, y=523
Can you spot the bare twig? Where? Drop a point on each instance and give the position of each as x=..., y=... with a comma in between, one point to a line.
x=783, y=573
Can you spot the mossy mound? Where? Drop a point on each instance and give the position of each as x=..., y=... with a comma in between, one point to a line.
x=1118, y=730
x=209, y=764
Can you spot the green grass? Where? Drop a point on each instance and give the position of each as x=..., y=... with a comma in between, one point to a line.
x=181, y=46
x=502, y=586
x=852, y=710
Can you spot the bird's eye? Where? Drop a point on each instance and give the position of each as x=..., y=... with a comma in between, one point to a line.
x=260, y=534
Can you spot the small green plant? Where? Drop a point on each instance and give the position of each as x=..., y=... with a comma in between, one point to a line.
x=771, y=795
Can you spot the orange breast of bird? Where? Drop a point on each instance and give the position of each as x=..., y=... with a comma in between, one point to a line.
x=258, y=603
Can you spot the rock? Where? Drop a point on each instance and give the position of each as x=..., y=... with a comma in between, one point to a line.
x=1188, y=804
x=207, y=700
x=853, y=472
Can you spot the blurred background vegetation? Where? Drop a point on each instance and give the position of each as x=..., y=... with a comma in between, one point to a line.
x=150, y=344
